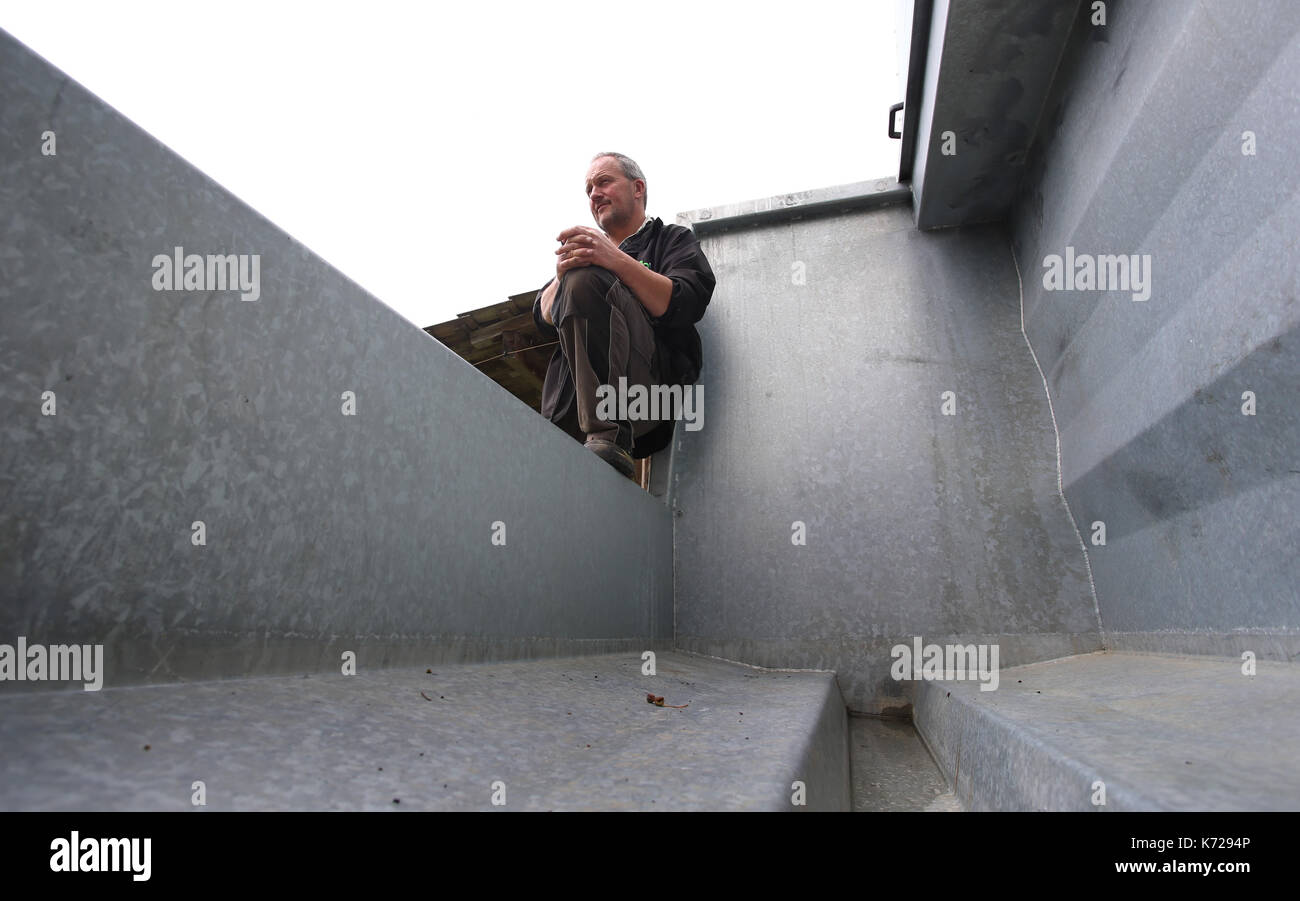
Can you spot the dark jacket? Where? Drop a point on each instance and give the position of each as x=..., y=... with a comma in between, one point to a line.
x=670, y=250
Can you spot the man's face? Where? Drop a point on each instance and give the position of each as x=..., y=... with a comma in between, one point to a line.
x=614, y=198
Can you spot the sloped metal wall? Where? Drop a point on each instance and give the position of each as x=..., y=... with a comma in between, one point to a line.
x=1171, y=137
x=360, y=487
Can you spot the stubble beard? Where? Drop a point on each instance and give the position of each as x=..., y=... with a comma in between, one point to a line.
x=614, y=222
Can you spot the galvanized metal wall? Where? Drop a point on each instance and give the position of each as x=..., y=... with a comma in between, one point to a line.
x=324, y=532
x=829, y=345
x=1173, y=134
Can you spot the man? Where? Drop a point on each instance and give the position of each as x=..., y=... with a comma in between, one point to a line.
x=623, y=303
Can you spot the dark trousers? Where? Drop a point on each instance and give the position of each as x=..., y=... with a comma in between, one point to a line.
x=604, y=333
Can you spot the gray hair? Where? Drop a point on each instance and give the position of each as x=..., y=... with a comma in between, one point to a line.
x=630, y=169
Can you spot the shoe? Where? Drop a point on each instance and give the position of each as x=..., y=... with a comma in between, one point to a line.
x=612, y=454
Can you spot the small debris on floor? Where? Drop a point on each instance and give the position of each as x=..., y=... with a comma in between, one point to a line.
x=425, y=696
x=658, y=701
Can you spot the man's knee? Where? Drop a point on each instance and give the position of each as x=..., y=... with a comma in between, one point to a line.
x=588, y=279
x=583, y=292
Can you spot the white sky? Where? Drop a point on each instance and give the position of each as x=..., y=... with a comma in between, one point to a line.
x=432, y=151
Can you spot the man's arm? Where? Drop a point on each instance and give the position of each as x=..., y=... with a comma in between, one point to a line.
x=548, y=300
x=682, y=262
x=585, y=246
x=652, y=289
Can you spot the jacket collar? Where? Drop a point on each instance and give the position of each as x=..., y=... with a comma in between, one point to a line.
x=644, y=225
